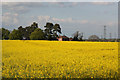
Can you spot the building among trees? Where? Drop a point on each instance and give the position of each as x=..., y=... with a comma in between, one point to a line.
x=63, y=38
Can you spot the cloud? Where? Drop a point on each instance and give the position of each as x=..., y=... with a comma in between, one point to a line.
x=25, y=7
x=93, y=0
x=21, y=7
x=71, y=20
x=14, y=19
x=15, y=7
x=102, y=3
x=60, y=0
x=44, y=18
x=9, y=18
x=61, y=20
x=84, y=21
x=112, y=23
x=35, y=0
x=64, y=4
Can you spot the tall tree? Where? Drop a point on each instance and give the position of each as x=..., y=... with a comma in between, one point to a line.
x=77, y=36
x=30, y=29
x=48, y=30
x=51, y=31
x=56, y=29
x=0, y=33
x=5, y=33
x=38, y=34
x=23, y=32
x=15, y=35
x=26, y=32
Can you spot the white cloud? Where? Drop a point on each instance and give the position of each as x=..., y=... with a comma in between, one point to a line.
x=13, y=19
x=26, y=6
x=112, y=23
x=16, y=7
x=60, y=0
x=61, y=20
x=102, y=3
x=35, y=0
x=9, y=18
x=70, y=20
x=45, y=18
x=84, y=21
x=93, y=0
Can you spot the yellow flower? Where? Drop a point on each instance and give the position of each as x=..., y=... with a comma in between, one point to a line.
x=54, y=59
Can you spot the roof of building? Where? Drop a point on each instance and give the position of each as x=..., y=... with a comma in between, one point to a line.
x=62, y=37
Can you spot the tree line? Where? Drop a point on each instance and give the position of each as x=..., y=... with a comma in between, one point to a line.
x=32, y=32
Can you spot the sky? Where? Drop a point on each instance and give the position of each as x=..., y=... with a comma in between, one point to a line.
x=86, y=17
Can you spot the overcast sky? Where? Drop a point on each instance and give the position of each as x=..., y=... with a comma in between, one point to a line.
x=86, y=17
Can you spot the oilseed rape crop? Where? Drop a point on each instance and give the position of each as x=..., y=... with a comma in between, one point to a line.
x=59, y=59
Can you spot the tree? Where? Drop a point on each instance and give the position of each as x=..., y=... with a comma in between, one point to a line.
x=56, y=29
x=77, y=36
x=5, y=33
x=38, y=34
x=30, y=29
x=26, y=32
x=52, y=30
x=48, y=30
x=34, y=25
x=15, y=35
x=0, y=33
x=22, y=31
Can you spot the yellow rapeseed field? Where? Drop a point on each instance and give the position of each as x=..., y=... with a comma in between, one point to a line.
x=59, y=59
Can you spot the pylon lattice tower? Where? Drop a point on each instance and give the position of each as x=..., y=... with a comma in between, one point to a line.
x=104, y=32
x=110, y=36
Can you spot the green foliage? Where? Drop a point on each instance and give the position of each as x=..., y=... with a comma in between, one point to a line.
x=0, y=33
x=49, y=27
x=30, y=29
x=52, y=30
x=56, y=28
x=77, y=36
x=33, y=32
x=15, y=35
x=5, y=33
x=22, y=31
x=26, y=32
x=38, y=34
